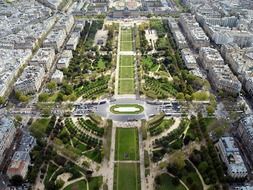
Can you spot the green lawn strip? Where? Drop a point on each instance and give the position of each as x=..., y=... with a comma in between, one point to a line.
x=126, y=72
x=126, y=60
x=127, y=144
x=51, y=169
x=126, y=87
x=127, y=176
x=126, y=46
x=79, y=145
x=126, y=35
x=160, y=127
x=166, y=183
x=112, y=108
x=95, y=155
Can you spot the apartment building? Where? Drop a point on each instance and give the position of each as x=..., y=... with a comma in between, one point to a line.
x=224, y=80
x=65, y=59
x=19, y=164
x=245, y=133
x=231, y=156
x=210, y=57
x=30, y=80
x=7, y=134
x=44, y=57
x=194, y=33
x=55, y=39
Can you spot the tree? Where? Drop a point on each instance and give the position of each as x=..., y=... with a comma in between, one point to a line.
x=51, y=85
x=175, y=181
x=180, y=96
x=59, y=97
x=178, y=159
x=189, y=180
x=18, y=118
x=210, y=110
x=67, y=89
x=59, y=184
x=43, y=97
x=17, y=180
x=203, y=167
x=21, y=97
x=158, y=180
x=1, y=100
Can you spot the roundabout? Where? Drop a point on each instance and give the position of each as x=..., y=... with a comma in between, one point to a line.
x=126, y=109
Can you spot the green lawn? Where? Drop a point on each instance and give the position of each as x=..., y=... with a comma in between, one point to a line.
x=126, y=35
x=126, y=41
x=126, y=46
x=166, y=183
x=126, y=87
x=38, y=127
x=126, y=60
x=51, y=169
x=127, y=145
x=94, y=184
x=127, y=176
x=80, y=185
x=94, y=155
x=126, y=72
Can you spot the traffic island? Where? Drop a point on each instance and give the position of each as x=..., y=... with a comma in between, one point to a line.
x=126, y=109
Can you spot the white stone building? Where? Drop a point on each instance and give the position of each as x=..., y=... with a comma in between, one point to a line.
x=30, y=81
x=231, y=156
x=57, y=76
x=65, y=59
x=55, y=39
x=44, y=57
x=224, y=80
x=210, y=57
x=7, y=134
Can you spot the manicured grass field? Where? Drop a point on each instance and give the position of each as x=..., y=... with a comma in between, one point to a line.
x=126, y=86
x=126, y=176
x=127, y=144
x=126, y=46
x=166, y=183
x=126, y=41
x=126, y=75
x=126, y=35
x=126, y=60
x=126, y=72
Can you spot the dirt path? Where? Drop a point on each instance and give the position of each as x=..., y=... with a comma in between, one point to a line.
x=205, y=187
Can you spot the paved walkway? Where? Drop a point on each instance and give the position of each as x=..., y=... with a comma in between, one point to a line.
x=205, y=187
x=142, y=165
x=116, y=89
x=169, y=130
x=110, y=173
x=185, y=186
